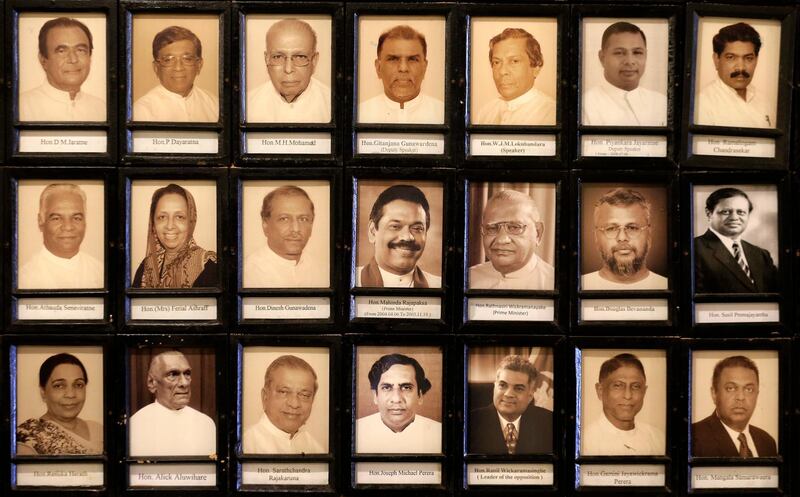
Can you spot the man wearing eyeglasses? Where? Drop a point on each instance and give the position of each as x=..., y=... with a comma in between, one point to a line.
x=292, y=94
x=177, y=61
x=512, y=229
x=622, y=235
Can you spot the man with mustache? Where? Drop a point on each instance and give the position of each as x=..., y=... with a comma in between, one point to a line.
x=723, y=262
x=622, y=235
x=730, y=100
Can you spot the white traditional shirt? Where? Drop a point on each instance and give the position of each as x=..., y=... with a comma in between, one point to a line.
x=607, y=105
x=156, y=430
x=422, y=436
x=535, y=275
x=266, y=105
x=266, y=269
x=266, y=438
x=601, y=438
x=531, y=108
x=160, y=104
x=593, y=281
x=391, y=280
x=46, y=270
x=420, y=110
x=751, y=444
x=47, y=103
x=719, y=105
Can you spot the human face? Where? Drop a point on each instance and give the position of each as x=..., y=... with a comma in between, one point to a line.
x=68, y=58
x=180, y=77
x=289, y=80
x=623, y=59
x=736, y=65
x=508, y=252
x=623, y=255
x=398, y=396
x=399, y=238
x=511, y=68
x=65, y=392
x=171, y=380
x=63, y=224
x=171, y=222
x=730, y=216
x=288, y=398
x=401, y=67
x=622, y=394
x=735, y=396
x=288, y=226
x=513, y=392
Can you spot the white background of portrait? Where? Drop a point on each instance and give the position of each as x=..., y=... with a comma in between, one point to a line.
x=765, y=79
x=205, y=197
x=31, y=74
x=255, y=361
x=147, y=26
x=30, y=359
x=762, y=228
x=29, y=237
x=319, y=243
x=481, y=83
x=765, y=415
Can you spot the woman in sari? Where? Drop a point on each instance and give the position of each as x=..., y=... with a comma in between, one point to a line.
x=173, y=258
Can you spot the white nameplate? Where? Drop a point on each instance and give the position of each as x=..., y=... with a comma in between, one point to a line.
x=487, y=309
x=286, y=308
x=622, y=475
x=288, y=143
x=60, y=475
x=172, y=475
x=624, y=309
x=168, y=309
x=398, y=473
x=513, y=145
x=623, y=146
x=734, y=477
x=510, y=474
x=733, y=146
x=67, y=309
x=63, y=141
x=175, y=142
x=735, y=312
x=399, y=307
x=397, y=144
x=268, y=473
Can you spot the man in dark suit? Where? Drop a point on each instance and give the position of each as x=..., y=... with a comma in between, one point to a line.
x=727, y=432
x=723, y=262
x=512, y=424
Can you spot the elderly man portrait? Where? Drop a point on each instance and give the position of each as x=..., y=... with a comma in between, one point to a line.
x=398, y=229
x=731, y=99
x=65, y=54
x=287, y=397
x=177, y=61
x=398, y=385
x=727, y=432
x=723, y=261
x=619, y=99
x=516, y=60
x=170, y=426
x=292, y=93
x=622, y=236
x=511, y=229
x=60, y=263
x=401, y=63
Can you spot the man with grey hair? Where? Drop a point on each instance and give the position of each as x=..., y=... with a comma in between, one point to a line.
x=60, y=262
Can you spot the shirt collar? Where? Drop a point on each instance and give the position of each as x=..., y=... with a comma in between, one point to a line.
x=609, y=426
x=727, y=241
x=275, y=431
x=749, y=95
x=60, y=95
x=63, y=261
x=504, y=422
x=175, y=96
x=524, y=271
x=407, y=106
x=276, y=259
x=298, y=98
x=394, y=280
x=521, y=100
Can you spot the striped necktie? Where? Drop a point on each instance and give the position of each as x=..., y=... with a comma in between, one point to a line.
x=737, y=254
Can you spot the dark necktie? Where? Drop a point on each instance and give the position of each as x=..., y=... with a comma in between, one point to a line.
x=744, y=450
x=737, y=254
x=511, y=438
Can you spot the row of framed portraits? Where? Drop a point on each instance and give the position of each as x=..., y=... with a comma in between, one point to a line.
x=540, y=84
x=231, y=415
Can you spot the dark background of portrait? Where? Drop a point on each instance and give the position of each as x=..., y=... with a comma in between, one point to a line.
x=482, y=364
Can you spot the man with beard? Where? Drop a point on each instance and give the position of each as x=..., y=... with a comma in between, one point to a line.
x=622, y=235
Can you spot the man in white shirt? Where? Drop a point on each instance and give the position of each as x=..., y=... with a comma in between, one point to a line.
x=65, y=53
x=292, y=94
x=401, y=65
x=516, y=60
x=619, y=100
x=60, y=264
x=512, y=229
x=177, y=61
x=730, y=100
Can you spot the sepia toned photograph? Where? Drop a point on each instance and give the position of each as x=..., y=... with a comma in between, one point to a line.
x=401, y=69
x=62, y=64
x=510, y=392
x=286, y=233
x=61, y=234
x=285, y=400
x=623, y=232
x=513, y=70
x=398, y=400
x=173, y=233
x=175, y=68
x=399, y=234
x=288, y=68
x=623, y=402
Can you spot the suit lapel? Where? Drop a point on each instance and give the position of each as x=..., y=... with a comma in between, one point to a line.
x=723, y=440
x=753, y=260
x=726, y=260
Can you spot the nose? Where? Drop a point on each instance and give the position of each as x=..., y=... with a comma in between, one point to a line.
x=406, y=235
x=184, y=380
x=628, y=392
x=68, y=225
x=293, y=400
x=72, y=56
x=295, y=225
x=69, y=392
x=395, y=397
x=622, y=234
x=502, y=236
x=403, y=65
x=288, y=67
